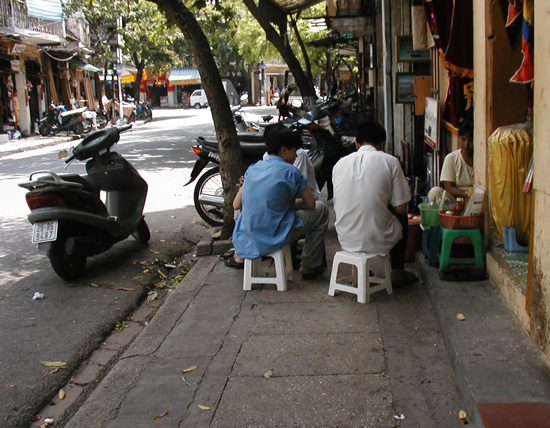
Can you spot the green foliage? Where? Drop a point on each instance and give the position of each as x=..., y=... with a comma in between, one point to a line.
x=148, y=40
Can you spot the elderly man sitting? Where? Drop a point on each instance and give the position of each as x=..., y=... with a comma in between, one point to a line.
x=370, y=201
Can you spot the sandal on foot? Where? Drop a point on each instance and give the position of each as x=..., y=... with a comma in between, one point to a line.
x=410, y=278
x=316, y=272
x=231, y=262
x=229, y=254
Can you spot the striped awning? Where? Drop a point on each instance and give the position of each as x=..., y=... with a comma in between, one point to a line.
x=184, y=76
x=49, y=10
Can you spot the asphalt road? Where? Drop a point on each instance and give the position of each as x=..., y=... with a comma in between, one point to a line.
x=73, y=317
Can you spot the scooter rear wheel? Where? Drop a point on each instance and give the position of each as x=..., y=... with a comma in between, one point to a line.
x=142, y=233
x=78, y=128
x=65, y=265
x=209, y=184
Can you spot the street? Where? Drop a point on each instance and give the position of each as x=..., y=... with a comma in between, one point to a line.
x=74, y=317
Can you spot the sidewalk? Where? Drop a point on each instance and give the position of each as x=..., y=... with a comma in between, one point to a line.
x=215, y=355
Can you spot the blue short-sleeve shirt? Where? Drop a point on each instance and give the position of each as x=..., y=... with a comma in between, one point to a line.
x=267, y=218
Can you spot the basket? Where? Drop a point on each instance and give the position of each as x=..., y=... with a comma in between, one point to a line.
x=430, y=214
x=460, y=221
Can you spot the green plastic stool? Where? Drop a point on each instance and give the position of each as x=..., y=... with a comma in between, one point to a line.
x=448, y=236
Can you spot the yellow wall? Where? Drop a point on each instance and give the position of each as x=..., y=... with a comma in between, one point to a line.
x=540, y=309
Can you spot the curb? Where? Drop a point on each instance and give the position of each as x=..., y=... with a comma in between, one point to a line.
x=492, y=356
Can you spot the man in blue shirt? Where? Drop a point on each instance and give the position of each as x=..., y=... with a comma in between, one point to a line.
x=271, y=193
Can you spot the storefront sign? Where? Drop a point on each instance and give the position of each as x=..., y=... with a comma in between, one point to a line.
x=14, y=64
x=431, y=123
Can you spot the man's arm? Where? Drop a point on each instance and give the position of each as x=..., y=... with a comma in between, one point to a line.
x=238, y=201
x=401, y=209
x=305, y=201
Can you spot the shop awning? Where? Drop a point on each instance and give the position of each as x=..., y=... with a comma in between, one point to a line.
x=184, y=76
x=83, y=64
x=49, y=10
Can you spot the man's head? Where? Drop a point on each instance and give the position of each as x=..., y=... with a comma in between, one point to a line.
x=466, y=136
x=371, y=133
x=282, y=142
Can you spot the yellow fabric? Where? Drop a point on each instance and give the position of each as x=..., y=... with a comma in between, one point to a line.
x=510, y=150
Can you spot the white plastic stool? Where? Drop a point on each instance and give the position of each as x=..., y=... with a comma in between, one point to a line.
x=255, y=273
x=361, y=280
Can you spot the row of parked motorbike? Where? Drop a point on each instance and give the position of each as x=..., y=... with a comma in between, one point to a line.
x=82, y=120
x=324, y=130
x=71, y=222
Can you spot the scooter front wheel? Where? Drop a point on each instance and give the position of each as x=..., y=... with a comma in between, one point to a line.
x=208, y=197
x=142, y=233
x=65, y=265
x=44, y=130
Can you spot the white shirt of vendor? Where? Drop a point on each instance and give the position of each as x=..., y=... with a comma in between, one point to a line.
x=365, y=183
x=456, y=170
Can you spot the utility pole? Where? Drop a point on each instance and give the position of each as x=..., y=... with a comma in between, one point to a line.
x=119, y=68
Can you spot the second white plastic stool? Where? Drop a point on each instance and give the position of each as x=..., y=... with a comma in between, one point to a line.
x=361, y=279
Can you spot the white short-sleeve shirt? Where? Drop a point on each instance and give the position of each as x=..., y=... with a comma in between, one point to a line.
x=456, y=170
x=365, y=183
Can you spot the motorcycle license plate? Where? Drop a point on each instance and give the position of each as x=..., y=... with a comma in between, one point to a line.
x=45, y=231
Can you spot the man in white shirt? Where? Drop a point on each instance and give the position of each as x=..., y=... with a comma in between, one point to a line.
x=370, y=201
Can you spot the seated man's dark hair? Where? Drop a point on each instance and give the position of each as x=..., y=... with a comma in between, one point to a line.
x=466, y=128
x=278, y=137
x=371, y=132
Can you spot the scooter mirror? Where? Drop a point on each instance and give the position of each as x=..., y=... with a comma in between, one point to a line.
x=62, y=154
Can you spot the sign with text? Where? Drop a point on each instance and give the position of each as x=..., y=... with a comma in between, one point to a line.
x=431, y=123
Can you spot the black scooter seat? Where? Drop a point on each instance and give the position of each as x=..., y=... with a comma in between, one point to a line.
x=86, y=181
x=251, y=137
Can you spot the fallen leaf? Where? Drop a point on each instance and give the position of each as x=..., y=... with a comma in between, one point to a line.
x=268, y=374
x=146, y=271
x=58, y=364
x=122, y=288
x=93, y=284
x=462, y=414
x=200, y=406
x=151, y=297
x=61, y=394
x=135, y=262
x=156, y=252
x=158, y=231
x=189, y=369
x=217, y=234
x=162, y=274
x=160, y=416
x=460, y=317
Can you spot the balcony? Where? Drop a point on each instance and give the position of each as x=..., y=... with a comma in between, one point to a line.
x=15, y=22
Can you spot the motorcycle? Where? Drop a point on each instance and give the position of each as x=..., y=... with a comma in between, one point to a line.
x=59, y=119
x=70, y=221
x=143, y=110
x=323, y=150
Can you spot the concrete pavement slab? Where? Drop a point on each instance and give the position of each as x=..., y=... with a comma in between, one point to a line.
x=310, y=355
x=306, y=401
x=314, y=318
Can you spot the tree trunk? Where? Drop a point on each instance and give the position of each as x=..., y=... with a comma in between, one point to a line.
x=231, y=161
x=282, y=45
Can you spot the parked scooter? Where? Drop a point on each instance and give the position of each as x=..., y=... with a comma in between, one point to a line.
x=69, y=219
x=323, y=149
x=59, y=119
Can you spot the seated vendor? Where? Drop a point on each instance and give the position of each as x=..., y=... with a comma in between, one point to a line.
x=457, y=173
